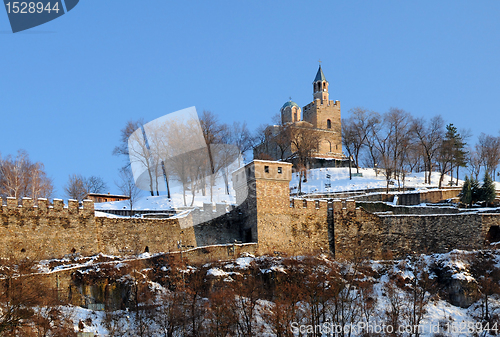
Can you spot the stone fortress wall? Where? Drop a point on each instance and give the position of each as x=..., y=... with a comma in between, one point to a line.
x=267, y=216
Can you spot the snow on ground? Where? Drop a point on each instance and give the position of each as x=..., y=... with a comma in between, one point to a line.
x=322, y=180
x=327, y=180
x=439, y=313
x=161, y=202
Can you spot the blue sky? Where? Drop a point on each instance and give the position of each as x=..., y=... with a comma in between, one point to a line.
x=68, y=87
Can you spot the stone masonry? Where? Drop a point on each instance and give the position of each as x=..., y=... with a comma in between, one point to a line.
x=266, y=216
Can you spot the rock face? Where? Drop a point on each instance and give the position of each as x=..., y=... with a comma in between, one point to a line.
x=457, y=290
x=462, y=293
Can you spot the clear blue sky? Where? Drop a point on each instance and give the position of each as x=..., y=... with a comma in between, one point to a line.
x=68, y=87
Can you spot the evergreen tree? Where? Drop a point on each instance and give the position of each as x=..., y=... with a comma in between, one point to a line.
x=475, y=191
x=488, y=192
x=466, y=194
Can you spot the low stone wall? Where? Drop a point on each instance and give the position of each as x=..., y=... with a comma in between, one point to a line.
x=130, y=236
x=431, y=196
x=397, y=209
x=359, y=233
x=311, y=230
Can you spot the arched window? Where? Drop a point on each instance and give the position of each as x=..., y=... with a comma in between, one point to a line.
x=295, y=116
x=328, y=124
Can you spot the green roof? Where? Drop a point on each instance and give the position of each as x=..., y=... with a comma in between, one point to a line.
x=290, y=103
x=319, y=75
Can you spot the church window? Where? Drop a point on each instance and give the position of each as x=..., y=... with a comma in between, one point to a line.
x=328, y=124
x=280, y=170
x=266, y=169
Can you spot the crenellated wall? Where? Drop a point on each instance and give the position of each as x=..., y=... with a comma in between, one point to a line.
x=43, y=231
x=298, y=226
x=266, y=215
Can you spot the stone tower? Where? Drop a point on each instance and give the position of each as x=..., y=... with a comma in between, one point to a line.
x=324, y=114
x=262, y=188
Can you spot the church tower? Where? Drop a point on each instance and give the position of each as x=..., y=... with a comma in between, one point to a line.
x=320, y=86
x=324, y=114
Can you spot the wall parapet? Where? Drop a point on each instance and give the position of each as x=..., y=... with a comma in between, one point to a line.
x=309, y=204
x=44, y=208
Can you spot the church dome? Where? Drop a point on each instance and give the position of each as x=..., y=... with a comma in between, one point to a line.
x=290, y=104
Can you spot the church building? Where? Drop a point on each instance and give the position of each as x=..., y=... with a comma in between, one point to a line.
x=321, y=116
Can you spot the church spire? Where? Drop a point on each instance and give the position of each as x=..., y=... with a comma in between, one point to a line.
x=319, y=75
x=320, y=86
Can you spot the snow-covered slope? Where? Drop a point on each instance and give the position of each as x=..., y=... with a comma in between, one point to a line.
x=382, y=284
x=323, y=180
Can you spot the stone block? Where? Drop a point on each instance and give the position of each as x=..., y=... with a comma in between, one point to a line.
x=72, y=206
x=350, y=205
x=11, y=202
x=27, y=203
x=58, y=205
x=43, y=205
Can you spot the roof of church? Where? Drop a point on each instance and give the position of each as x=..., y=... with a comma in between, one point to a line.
x=290, y=103
x=319, y=75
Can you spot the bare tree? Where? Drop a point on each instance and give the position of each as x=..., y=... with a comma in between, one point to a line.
x=349, y=139
x=94, y=184
x=262, y=136
x=214, y=133
x=140, y=155
x=474, y=163
x=428, y=136
x=125, y=133
x=357, y=129
x=489, y=149
x=20, y=177
x=392, y=143
x=372, y=157
x=78, y=186
x=75, y=187
x=241, y=137
x=127, y=186
x=304, y=140
x=185, y=167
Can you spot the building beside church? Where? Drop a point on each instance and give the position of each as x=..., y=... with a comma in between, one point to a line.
x=321, y=116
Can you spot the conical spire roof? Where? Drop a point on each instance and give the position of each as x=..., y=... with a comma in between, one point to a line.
x=319, y=75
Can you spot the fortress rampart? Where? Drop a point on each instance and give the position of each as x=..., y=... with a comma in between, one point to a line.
x=266, y=216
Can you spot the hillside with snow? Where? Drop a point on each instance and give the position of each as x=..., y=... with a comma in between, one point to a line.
x=322, y=180
x=327, y=180
x=452, y=294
